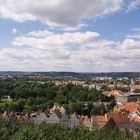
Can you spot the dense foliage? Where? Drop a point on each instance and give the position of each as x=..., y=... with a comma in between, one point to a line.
x=30, y=131
x=32, y=94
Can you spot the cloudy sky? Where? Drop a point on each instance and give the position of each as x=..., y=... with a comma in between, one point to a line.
x=70, y=35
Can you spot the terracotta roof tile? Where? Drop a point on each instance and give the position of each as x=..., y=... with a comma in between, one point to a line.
x=136, y=86
x=118, y=117
x=129, y=106
x=135, y=120
x=99, y=119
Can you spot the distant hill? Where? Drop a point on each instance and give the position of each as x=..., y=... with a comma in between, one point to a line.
x=70, y=74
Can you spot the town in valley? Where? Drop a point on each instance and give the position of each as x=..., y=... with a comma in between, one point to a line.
x=95, y=102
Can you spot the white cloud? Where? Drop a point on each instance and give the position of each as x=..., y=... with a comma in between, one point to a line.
x=71, y=51
x=54, y=40
x=130, y=44
x=135, y=35
x=77, y=28
x=133, y=5
x=44, y=33
x=68, y=13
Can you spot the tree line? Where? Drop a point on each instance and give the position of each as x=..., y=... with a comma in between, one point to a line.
x=30, y=95
x=31, y=131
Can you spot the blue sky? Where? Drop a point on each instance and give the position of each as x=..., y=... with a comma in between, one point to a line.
x=64, y=35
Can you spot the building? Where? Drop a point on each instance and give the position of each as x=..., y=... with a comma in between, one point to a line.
x=121, y=120
x=134, y=97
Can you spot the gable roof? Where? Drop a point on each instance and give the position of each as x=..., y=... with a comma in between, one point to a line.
x=110, y=125
x=74, y=116
x=136, y=87
x=99, y=119
x=62, y=110
x=20, y=118
x=118, y=117
x=5, y=115
x=87, y=120
x=129, y=106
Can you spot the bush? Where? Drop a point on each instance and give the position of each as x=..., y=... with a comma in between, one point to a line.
x=31, y=131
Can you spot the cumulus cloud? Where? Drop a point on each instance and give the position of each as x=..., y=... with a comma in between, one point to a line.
x=52, y=39
x=133, y=5
x=130, y=44
x=135, y=35
x=75, y=28
x=71, y=51
x=68, y=13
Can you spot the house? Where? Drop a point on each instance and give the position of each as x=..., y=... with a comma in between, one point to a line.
x=118, y=84
x=20, y=118
x=121, y=119
x=111, y=86
x=128, y=106
x=39, y=117
x=87, y=122
x=65, y=120
x=53, y=118
x=53, y=109
x=81, y=119
x=133, y=111
x=134, y=87
x=5, y=115
x=121, y=99
x=113, y=93
x=110, y=125
x=62, y=110
x=12, y=117
x=133, y=97
x=6, y=98
x=27, y=117
x=74, y=120
x=57, y=115
x=98, y=121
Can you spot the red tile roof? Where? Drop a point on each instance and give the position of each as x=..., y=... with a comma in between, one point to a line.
x=136, y=87
x=118, y=117
x=129, y=106
x=99, y=119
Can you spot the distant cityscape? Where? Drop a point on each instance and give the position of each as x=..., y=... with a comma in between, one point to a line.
x=71, y=74
x=93, y=101
x=69, y=69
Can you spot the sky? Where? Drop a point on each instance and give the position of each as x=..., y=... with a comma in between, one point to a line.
x=70, y=35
